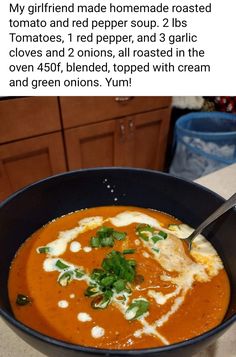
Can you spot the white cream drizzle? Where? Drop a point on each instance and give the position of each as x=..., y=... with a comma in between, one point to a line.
x=49, y=265
x=75, y=247
x=97, y=332
x=84, y=317
x=59, y=245
x=128, y=217
x=63, y=304
x=172, y=259
x=87, y=249
x=161, y=298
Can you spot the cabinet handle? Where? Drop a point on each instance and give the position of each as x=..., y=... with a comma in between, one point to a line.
x=123, y=99
x=122, y=132
x=131, y=127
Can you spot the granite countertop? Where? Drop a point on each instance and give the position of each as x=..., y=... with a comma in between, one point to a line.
x=222, y=182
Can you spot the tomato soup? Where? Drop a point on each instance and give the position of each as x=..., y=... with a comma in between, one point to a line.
x=118, y=278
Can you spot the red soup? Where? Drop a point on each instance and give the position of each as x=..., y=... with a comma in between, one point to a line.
x=118, y=278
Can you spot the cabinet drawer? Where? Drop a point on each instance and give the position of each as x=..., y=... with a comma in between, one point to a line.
x=29, y=160
x=24, y=117
x=84, y=110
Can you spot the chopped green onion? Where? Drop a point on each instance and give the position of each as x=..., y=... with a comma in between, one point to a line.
x=118, y=265
x=132, y=262
x=95, y=242
x=92, y=290
x=22, y=300
x=114, y=276
x=137, y=309
x=79, y=273
x=156, y=238
x=107, y=281
x=44, y=250
x=104, y=231
x=159, y=236
x=107, y=242
x=105, y=237
x=119, y=285
x=144, y=237
x=144, y=228
x=156, y=250
x=59, y=264
x=119, y=235
x=65, y=278
x=102, y=301
x=97, y=274
x=163, y=234
x=143, y=231
x=129, y=251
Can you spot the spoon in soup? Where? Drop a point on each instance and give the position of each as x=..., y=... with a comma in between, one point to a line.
x=231, y=202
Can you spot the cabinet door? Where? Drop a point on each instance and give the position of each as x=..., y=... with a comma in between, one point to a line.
x=94, y=145
x=21, y=118
x=26, y=161
x=148, y=133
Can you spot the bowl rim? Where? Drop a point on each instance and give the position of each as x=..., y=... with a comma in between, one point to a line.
x=101, y=351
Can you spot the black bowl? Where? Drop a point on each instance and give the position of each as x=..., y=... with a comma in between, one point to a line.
x=29, y=209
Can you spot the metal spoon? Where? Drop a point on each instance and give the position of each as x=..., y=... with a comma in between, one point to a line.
x=221, y=210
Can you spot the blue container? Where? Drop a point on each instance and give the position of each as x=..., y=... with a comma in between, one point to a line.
x=205, y=142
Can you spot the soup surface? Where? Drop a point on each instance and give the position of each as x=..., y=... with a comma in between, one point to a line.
x=118, y=278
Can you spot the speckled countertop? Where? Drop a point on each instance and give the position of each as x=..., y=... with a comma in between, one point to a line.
x=222, y=182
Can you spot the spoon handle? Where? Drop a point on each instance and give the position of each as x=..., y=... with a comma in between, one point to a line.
x=221, y=210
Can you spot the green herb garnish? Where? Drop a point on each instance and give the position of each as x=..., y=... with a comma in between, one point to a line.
x=59, y=264
x=137, y=309
x=22, y=300
x=67, y=273
x=65, y=278
x=92, y=290
x=44, y=250
x=107, y=242
x=116, y=273
x=79, y=273
x=105, y=237
x=105, y=231
x=159, y=236
x=102, y=301
x=144, y=230
x=119, y=285
x=148, y=233
x=119, y=235
x=95, y=242
x=129, y=251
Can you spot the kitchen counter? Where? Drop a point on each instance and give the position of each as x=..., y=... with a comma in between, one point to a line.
x=222, y=182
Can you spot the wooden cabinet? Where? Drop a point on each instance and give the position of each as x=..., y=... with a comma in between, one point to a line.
x=92, y=145
x=26, y=117
x=31, y=142
x=78, y=111
x=43, y=136
x=150, y=139
x=136, y=141
x=29, y=160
